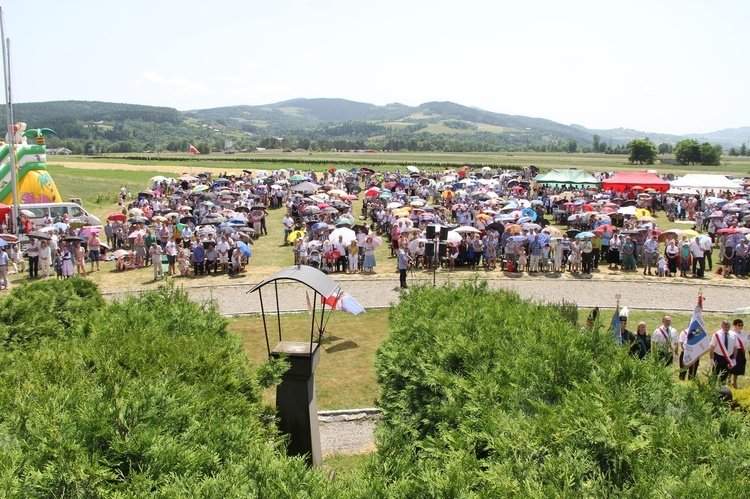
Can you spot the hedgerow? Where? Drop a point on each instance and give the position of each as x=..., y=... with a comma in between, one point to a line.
x=158, y=399
x=486, y=394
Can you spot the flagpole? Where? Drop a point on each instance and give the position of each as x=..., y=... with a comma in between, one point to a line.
x=9, y=117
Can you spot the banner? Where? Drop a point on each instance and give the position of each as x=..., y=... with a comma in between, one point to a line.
x=698, y=341
x=194, y=150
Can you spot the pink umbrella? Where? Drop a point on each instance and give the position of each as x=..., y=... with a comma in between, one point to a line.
x=377, y=241
x=91, y=230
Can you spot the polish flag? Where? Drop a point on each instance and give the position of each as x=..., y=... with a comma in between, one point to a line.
x=194, y=150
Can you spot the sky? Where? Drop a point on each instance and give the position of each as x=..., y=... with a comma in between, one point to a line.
x=666, y=66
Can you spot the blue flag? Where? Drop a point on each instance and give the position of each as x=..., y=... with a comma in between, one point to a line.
x=698, y=341
x=616, y=326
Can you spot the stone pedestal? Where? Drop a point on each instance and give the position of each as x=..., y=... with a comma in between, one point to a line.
x=296, y=401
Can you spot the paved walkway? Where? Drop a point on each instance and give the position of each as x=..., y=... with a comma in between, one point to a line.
x=378, y=292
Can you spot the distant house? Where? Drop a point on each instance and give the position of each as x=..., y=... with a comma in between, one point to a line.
x=299, y=149
x=259, y=149
x=59, y=151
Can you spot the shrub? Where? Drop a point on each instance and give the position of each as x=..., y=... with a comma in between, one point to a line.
x=157, y=400
x=486, y=394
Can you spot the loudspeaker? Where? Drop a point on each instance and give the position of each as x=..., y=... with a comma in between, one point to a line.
x=443, y=233
x=429, y=250
x=430, y=232
x=443, y=251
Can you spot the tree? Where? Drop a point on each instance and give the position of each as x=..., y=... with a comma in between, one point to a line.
x=572, y=146
x=642, y=151
x=710, y=154
x=665, y=148
x=687, y=152
x=597, y=142
x=733, y=151
x=743, y=149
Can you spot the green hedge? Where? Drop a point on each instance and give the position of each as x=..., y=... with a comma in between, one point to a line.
x=487, y=395
x=157, y=399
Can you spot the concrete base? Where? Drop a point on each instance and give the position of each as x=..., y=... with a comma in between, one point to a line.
x=296, y=400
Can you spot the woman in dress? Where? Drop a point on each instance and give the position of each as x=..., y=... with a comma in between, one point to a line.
x=575, y=257
x=628, y=255
x=67, y=262
x=79, y=258
x=684, y=257
x=369, y=248
x=727, y=260
x=672, y=252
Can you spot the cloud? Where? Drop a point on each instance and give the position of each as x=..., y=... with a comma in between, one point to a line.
x=228, y=79
x=177, y=85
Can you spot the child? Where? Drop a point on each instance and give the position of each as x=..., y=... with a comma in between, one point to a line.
x=58, y=265
x=662, y=266
x=521, y=263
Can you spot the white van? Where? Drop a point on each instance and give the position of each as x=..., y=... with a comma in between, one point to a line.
x=57, y=211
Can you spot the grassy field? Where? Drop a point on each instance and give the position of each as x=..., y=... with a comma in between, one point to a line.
x=345, y=377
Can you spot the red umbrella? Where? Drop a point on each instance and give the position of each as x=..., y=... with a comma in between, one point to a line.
x=608, y=209
x=588, y=207
x=518, y=188
x=323, y=205
x=728, y=230
x=569, y=204
x=372, y=192
x=118, y=217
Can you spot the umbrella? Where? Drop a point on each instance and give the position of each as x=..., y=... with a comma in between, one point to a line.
x=585, y=235
x=377, y=241
x=200, y=188
x=40, y=235
x=553, y=231
x=295, y=234
x=157, y=178
x=467, y=229
x=120, y=253
x=297, y=178
x=77, y=224
x=372, y=192
x=73, y=239
x=137, y=220
x=136, y=233
x=347, y=234
x=136, y=212
x=118, y=217
x=91, y=230
x=412, y=169
x=311, y=210
x=27, y=213
x=305, y=187
x=572, y=232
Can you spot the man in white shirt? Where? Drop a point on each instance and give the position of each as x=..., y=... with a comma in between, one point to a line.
x=171, y=250
x=288, y=226
x=699, y=263
x=707, y=246
x=650, y=254
x=664, y=341
x=223, y=249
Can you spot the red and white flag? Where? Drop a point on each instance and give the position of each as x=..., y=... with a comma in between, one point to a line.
x=194, y=150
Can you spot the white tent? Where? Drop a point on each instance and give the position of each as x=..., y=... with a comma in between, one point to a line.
x=704, y=181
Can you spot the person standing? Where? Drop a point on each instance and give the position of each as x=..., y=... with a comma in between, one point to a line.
x=171, y=251
x=288, y=226
x=67, y=262
x=699, y=262
x=723, y=350
x=110, y=233
x=741, y=252
x=79, y=259
x=4, y=261
x=369, y=249
x=94, y=250
x=650, y=253
x=403, y=265
x=32, y=251
x=641, y=343
x=665, y=341
x=155, y=252
x=197, y=258
x=587, y=255
x=45, y=258
x=741, y=357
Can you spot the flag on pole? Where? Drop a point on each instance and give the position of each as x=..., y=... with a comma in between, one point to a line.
x=193, y=149
x=342, y=301
x=698, y=341
x=616, y=326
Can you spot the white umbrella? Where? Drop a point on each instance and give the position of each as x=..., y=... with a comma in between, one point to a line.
x=157, y=178
x=412, y=169
x=347, y=234
x=136, y=212
x=454, y=237
x=467, y=229
x=627, y=210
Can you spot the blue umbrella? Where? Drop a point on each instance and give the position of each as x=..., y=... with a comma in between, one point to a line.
x=3, y=242
x=528, y=212
x=244, y=248
x=585, y=235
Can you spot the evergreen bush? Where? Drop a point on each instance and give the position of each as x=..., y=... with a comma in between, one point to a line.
x=485, y=394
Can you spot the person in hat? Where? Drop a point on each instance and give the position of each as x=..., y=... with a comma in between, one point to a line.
x=626, y=336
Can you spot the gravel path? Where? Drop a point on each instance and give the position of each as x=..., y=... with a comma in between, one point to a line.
x=351, y=431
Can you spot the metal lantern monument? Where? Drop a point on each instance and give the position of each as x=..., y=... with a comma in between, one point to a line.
x=295, y=396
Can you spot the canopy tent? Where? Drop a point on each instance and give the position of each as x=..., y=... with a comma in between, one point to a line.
x=571, y=177
x=625, y=181
x=704, y=181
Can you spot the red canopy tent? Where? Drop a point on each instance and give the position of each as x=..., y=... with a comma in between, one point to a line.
x=624, y=181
